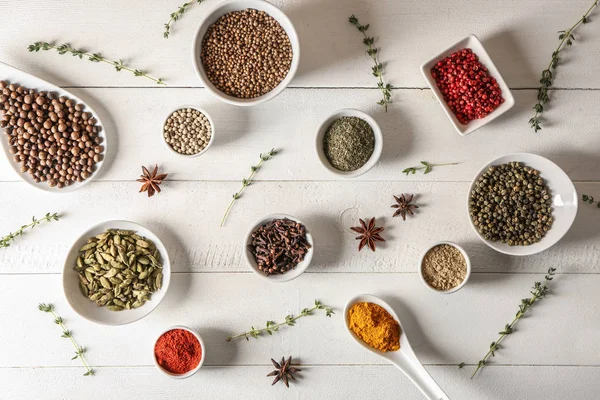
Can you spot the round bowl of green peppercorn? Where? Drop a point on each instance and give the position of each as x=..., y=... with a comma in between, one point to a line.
x=521, y=204
x=349, y=143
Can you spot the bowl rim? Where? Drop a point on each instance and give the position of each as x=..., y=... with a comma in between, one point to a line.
x=274, y=12
x=48, y=86
x=459, y=286
x=189, y=373
x=212, y=130
x=69, y=268
x=290, y=275
x=473, y=42
x=518, y=158
x=326, y=123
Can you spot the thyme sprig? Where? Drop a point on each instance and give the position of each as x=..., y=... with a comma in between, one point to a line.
x=590, y=200
x=67, y=334
x=176, y=15
x=93, y=57
x=248, y=181
x=5, y=241
x=426, y=166
x=290, y=320
x=539, y=291
x=566, y=40
x=377, y=69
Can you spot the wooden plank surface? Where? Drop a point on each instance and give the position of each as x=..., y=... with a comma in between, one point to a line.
x=519, y=35
x=553, y=355
x=442, y=329
x=317, y=382
x=415, y=129
x=186, y=215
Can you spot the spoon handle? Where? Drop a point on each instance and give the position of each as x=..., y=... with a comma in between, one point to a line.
x=421, y=378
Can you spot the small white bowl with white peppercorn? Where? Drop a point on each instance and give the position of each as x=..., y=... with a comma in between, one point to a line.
x=346, y=165
x=221, y=56
x=188, y=131
x=297, y=244
x=445, y=267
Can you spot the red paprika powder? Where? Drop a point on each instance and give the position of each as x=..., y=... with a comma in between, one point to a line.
x=178, y=351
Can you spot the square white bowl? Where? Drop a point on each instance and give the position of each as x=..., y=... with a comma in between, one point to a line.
x=473, y=43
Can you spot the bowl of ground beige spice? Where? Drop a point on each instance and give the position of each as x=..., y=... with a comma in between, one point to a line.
x=445, y=267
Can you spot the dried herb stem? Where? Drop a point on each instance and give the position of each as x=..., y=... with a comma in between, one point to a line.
x=426, y=166
x=93, y=57
x=377, y=69
x=248, y=181
x=566, y=40
x=540, y=290
x=290, y=320
x=590, y=200
x=176, y=15
x=5, y=241
x=49, y=308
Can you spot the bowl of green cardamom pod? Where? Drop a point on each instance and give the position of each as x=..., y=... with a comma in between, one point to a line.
x=116, y=273
x=349, y=143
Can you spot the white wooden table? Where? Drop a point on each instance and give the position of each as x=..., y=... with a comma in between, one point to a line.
x=555, y=354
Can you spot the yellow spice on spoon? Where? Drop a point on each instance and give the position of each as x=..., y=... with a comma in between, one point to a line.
x=374, y=326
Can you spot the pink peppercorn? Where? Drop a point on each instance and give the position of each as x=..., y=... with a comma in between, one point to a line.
x=467, y=86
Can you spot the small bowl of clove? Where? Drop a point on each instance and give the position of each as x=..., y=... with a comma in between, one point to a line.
x=278, y=248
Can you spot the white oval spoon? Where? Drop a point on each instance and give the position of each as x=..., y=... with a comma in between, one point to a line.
x=405, y=358
x=13, y=75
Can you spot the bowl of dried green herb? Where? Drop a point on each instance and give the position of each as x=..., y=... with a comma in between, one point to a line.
x=349, y=143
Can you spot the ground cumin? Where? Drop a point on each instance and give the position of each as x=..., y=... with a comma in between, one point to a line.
x=374, y=326
x=444, y=267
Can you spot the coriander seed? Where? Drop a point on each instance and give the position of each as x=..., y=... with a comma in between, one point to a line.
x=246, y=54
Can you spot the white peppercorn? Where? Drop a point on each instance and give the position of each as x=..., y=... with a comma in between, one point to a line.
x=187, y=131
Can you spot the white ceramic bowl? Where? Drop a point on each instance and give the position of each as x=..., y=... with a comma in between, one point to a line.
x=473, y=43
x=189, y=373
x=101, y=315
x=291, y=274
x=456, y=288
x=212, y=131
x=564, y=202
x=16, y=76
x=238, y=5
x=349, y=112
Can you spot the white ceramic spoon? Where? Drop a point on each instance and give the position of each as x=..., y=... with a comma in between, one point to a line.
x=16, y=76
x=405, y=358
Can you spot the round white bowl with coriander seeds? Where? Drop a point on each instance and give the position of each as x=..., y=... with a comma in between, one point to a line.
x=278, y=277
x=204, y=126
x=563, y=196
x=189, y=373
x=235, y=6
x=320, y=138
x=453, y=289
x=87, y=308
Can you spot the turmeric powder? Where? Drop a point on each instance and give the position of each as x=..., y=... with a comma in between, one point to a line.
x=374, y=326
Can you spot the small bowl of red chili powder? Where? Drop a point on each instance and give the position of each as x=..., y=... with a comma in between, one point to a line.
x=468, y=85
x=179, y=352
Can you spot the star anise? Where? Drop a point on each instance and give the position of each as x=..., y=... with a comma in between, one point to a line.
x=369, y=234
x=151, y=181
x=404, y=206
x=284, y=372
